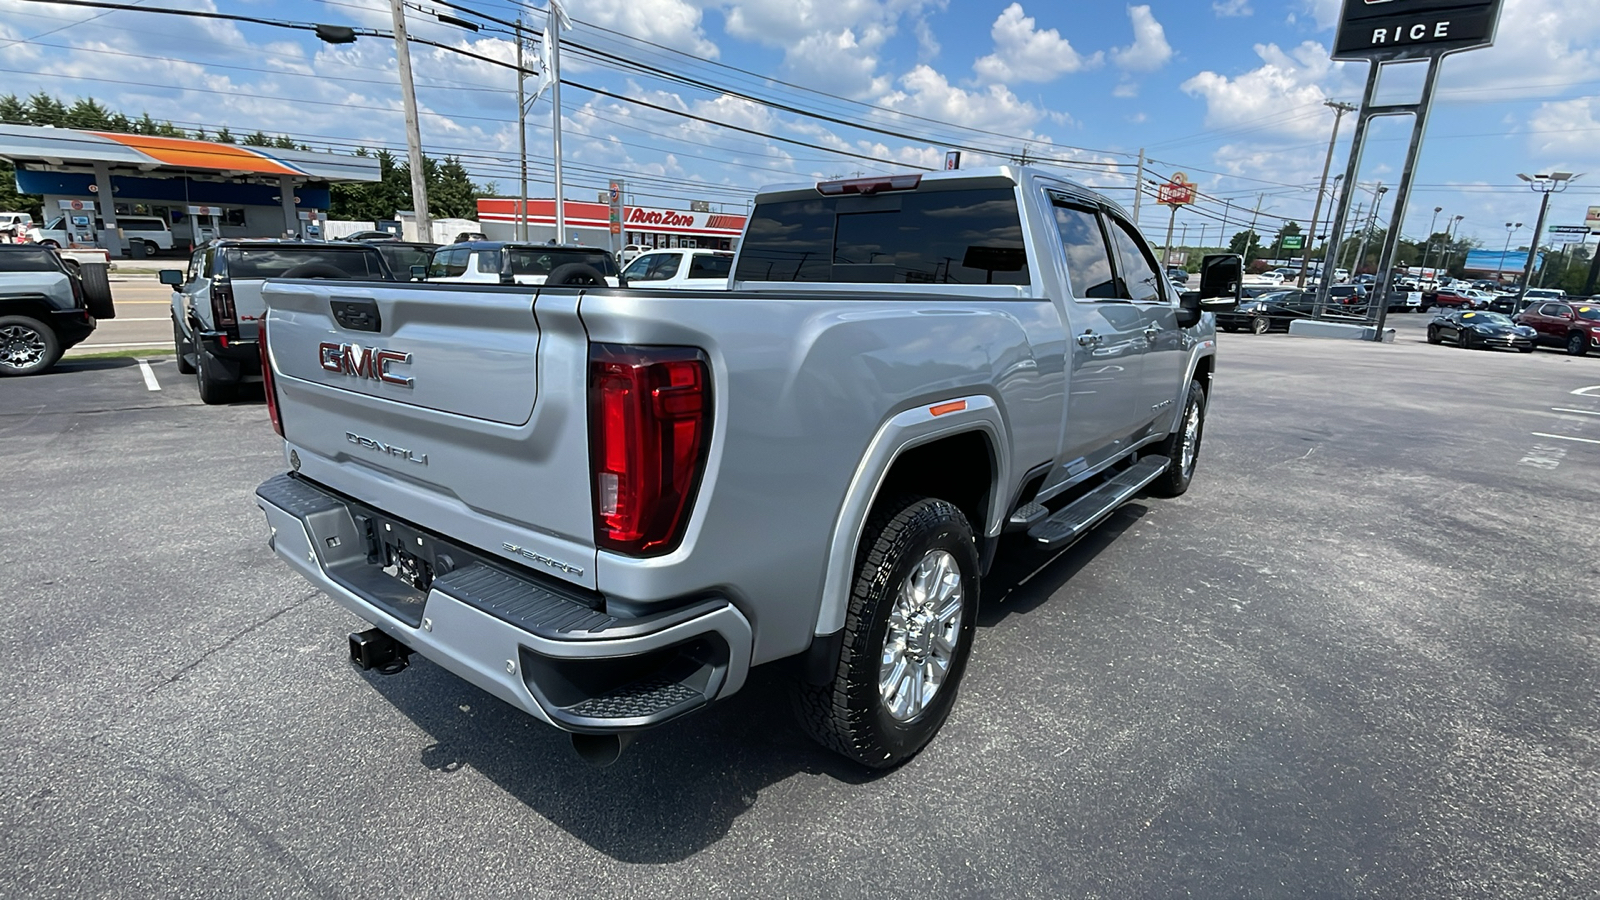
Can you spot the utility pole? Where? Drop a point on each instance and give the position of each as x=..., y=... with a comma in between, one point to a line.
x=1427, y=249
x=1366, y=232
x=1545, y=184
x=408, y=93
x=552, y=36
x=521, y=230
x=1138, y=189
x=1339, y=109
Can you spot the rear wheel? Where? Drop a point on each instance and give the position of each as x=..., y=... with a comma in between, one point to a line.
x=213, y=389
x=27, y=346
x=1464, y=338
x=1577, y=344
x=907, y=635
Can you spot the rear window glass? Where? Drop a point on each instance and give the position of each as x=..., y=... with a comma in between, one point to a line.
x=703, y=266
x=276, y=262
x=29, y=260
x=967, y=236
x=540, y=261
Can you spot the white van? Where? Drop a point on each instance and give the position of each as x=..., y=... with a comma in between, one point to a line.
x=152, y=231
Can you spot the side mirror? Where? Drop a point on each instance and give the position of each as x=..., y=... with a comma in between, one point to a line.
x=173, y=277
x=419, y=273
x=1221, y=281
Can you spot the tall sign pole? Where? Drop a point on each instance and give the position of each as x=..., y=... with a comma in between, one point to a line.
x=1379, y=32
x=1178, y=191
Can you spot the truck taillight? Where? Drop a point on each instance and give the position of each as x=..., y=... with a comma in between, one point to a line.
x=222, y=313
x=649, y=428
x=268, y=385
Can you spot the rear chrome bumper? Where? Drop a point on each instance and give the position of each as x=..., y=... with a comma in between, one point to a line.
x=539, y=645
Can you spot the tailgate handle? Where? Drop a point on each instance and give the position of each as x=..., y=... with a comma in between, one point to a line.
x=357, y=315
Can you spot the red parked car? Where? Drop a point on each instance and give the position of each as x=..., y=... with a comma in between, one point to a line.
x=1574, y=325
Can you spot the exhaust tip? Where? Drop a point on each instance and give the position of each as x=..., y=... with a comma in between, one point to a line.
x=601, y=750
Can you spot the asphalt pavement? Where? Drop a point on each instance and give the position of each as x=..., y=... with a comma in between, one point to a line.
x=1358, y=659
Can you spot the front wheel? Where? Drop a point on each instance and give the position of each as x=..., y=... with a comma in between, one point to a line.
x=1433, y=336
x=1577, y=344
x=1260, y=325
x=907, y=635
x=1182, y=446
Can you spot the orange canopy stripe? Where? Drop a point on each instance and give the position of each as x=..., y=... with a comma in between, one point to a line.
x=191, y=154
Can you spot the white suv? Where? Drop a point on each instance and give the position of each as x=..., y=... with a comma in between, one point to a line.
x=665, y=269
x=498, y=262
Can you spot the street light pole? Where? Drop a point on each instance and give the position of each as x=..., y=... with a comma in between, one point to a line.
x=1427, y=249
x=1554, y=183
x=408, y=94
x=1450, y=229
x=1510, y=230
x=1366, y=230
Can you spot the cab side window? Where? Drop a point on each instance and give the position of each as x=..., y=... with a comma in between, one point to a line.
x=1088, y=258
x=666, y=266
x=1140, y=282
x=639, y=269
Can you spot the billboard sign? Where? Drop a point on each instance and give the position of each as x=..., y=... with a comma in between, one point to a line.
x=1177, y=192
x=614, y=204
x=1567, y=234
x=1387, y=30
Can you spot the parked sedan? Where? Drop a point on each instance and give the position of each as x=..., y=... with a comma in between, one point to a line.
x=1472, y=329
x=1269, y=312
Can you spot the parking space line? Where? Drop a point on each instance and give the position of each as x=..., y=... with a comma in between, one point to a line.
x=144, y=319
x=1581, y=412
x=1585, y=391
x=153, y=345
x=149, y=376
x=1562, y=437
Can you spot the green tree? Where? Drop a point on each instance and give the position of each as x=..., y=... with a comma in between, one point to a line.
x=13, y=201
x=224, y=136
x=1246, y=244
x=88, y=114
x=258, y=140
x=13, y=111
x=44, y=109
x=284, y=142
x=451, y=193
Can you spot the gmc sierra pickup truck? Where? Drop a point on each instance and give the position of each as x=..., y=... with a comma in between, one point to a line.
x=605, y=506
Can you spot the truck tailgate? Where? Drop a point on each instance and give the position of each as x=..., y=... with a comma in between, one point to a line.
x=459, y=408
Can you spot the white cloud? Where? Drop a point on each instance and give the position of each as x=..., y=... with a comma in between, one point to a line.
x=839, y=62
x=1542, y=46
x=674, y=23
x=1149, y=50
x=1287, y=83
x=1232, y=8
x=926, y=92
x=1565, y=130
x=1024, y=53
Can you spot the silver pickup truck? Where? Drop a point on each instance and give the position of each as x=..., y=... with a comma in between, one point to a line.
x=604, y=506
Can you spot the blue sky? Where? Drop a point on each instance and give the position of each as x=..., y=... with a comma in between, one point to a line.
x=1230, y=92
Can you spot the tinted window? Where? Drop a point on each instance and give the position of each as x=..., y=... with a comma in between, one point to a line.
x=1140, y=282
x=665, y=267
x=703, y=266
x=540, y=261
x=273, y=262
x=401, y=258
x=449, y=262
x=29, y=260
x=1088, y=260
x=968, y=236
x=134, y=223
x=1555, y=310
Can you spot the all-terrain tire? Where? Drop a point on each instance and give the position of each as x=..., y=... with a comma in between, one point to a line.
x=27, y=346
x=1178, y=447
x=851, y=714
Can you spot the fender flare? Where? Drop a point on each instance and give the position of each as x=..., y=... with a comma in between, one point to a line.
x=1204, y=348
x=902, y=432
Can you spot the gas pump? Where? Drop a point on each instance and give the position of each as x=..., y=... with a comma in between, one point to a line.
x=204, y=225
x=78, y=220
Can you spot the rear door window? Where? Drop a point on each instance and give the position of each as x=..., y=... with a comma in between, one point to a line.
x=959, y=236
x=703, y=265
x=1088, y=258
x=666, y=266
x=450, y=262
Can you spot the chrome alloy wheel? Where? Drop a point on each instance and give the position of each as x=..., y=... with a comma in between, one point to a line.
x=1191, y=439
x=21, y=347
x=924, y=628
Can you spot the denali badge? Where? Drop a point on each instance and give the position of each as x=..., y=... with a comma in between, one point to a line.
x=420, y=459
x=540, y=559
x=353, y=359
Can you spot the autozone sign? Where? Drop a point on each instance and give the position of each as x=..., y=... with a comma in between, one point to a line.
x=667, y=217
x=1414, y=29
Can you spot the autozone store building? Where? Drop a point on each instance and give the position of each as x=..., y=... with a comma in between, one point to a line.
x=589, y=224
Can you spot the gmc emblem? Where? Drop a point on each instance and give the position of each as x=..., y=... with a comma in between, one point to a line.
x=354, y=360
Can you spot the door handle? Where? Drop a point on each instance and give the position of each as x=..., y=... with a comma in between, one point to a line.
x=1088, y=339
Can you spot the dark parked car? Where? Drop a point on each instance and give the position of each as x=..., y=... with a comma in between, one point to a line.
x=43, y=309
x=1178, y=274
x=1472, y=328
x=1573, y=325
x=1269, y=312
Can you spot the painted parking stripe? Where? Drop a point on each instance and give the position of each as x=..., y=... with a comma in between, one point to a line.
x=144, y=319
x=1581, y=412
x=150, y=381
x=1592, y=390
x=1562, y=437
x=153, y=345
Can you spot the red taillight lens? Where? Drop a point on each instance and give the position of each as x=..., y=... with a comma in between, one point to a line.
x=649, y=427
x=222, y=313
x=268, y=386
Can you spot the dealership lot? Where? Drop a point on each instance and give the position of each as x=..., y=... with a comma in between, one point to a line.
x=1358, y=658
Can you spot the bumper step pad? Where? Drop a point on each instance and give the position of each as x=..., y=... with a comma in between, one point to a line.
x=1076, y=518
